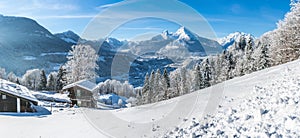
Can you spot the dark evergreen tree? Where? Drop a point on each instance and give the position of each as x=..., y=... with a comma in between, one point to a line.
x=50, y=82
x=231, y=65
x=43, y=81
x=61, y=78
x=198, y=78
x=166, y=84
x=207, y=74
x=166, y=77
x=18, y=82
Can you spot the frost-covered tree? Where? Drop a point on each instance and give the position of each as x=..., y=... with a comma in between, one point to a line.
x=145, y=90
x=185, y=87
x=31, y=78
x=206, y=73
x=151, y=87
x=51, y=81
x=158, y=88
x=198, y=78
x=3, y=73
x=128, y=90
x=166, y=84
x=12, y=77
x=175, y=83
x=116, y=87
x=285, y=39
x=248, y=58
x=81, y=63
x=224, y=69
x=262, y=58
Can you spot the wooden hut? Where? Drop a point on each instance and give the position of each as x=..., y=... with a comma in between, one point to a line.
x=15, y=98
x=81, y=93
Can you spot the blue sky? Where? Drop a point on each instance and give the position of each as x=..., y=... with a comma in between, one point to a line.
x=224, y=16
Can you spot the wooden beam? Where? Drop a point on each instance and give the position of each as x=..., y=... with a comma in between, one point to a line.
x=18, y=105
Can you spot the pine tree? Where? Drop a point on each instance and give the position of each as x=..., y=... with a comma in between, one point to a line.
x=151, y=85
x=145, y=90
x=158, y=88
x=43, y=81
x=166, y=84
x=51, y=82
x=184, y=82
x=206, y=74
x=61, y=78
x=225, y=67
x=18, y=82
x=262, y=59
x=198, y=79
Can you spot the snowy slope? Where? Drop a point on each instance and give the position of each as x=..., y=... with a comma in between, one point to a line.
x=271, y=110
x=161, y=118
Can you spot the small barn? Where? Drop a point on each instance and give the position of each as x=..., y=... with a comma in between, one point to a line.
x=81, y=93
x=15, y=98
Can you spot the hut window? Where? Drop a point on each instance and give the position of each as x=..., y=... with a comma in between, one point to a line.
x=3, y=97
x=78, y=93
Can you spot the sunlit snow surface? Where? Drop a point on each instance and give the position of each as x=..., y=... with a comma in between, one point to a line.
x=264, y=103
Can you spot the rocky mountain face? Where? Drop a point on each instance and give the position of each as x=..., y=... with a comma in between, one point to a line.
x=25, y=45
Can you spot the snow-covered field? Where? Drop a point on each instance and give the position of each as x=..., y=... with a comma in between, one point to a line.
x=264, y=101
x=64, y=123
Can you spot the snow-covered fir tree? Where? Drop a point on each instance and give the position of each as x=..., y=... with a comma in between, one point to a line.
x=185, y=87
x=197, y=79
x=51, y=81
x=206, y=73
x=145, y=90
x=151, y=87
x=165, y=84
x=262, y=59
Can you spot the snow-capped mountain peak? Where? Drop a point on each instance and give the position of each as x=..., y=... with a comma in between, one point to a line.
x=166, y=34
x=229, y=40
x=68, y=36
x=114, y=42
x=184, y=34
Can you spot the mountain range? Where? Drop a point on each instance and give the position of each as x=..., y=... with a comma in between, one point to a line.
x=26, y=45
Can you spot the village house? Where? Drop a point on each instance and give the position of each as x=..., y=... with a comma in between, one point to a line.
x=81, y=93
x=15, y=98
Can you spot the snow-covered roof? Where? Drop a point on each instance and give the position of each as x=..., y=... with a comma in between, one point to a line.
x=16, y=90
x=85, y=84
